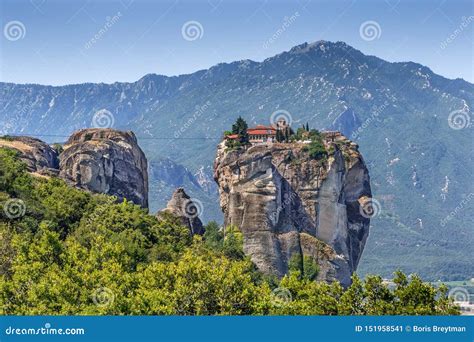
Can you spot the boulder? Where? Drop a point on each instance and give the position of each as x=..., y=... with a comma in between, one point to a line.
x=39, y=157
x=107, y=161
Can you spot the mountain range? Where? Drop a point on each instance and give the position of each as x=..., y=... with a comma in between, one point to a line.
x=412, y=126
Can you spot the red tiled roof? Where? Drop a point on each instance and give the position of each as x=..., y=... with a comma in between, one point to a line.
x=261, y=132
x=258, y=130
x=264, y=127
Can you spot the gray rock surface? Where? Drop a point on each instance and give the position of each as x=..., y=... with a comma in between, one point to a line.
x=106, y=161
x=187, y=210
x=39, y=157
x=284, y=203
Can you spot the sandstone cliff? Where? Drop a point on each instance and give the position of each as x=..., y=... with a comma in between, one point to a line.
x=39, y=157
x=186, y=209
x=106, y=161
x=287, y=203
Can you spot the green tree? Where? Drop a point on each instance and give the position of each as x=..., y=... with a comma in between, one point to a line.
x=279, y=136
x=75, y=253
x=240, y=128
x=305, y=266
x=214, y=236
x=233, y=243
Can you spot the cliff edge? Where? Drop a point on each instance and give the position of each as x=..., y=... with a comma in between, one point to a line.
x=286, y=203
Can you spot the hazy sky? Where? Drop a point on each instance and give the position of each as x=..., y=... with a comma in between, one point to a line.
x=63, y=42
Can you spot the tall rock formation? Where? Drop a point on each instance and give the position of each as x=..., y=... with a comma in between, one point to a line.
x=287, y=203
x=106, y=161
x=39, y=157
x=187, y=210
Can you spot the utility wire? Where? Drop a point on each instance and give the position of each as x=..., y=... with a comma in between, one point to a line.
x=138, y=137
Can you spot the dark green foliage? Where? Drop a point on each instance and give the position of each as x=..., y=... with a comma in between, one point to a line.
x=233, y=144
x=310, y=268
x=287, y=133
x=214, y=236
x=240, y=128
x=295, y=264
x=279, y=136
x=13, y=178
x=60, y=206
x=316, y=148
x=228, y=241
x=305, y=266
x=233, y=243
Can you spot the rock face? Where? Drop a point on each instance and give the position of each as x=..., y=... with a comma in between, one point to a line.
x=287, y=203
x=106, y=161
x=39, y=157
x=187, y=210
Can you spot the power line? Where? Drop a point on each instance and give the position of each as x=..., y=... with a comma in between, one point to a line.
x=138, y=137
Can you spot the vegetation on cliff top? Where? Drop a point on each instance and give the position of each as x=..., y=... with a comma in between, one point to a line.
x=66, y=251
x=315, y=147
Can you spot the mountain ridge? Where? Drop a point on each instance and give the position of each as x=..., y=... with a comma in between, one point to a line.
x=293, y=49
x=400, y=113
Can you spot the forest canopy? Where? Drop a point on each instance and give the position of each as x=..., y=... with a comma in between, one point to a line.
x=67, y=251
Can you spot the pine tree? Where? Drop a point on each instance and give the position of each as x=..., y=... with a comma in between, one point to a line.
x=287, y=134
x=240, y=128
x=278, y=135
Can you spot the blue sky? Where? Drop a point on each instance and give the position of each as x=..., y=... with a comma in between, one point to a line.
x=64, y=42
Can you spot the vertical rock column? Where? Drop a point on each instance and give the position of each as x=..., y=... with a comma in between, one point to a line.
x=106, y=161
